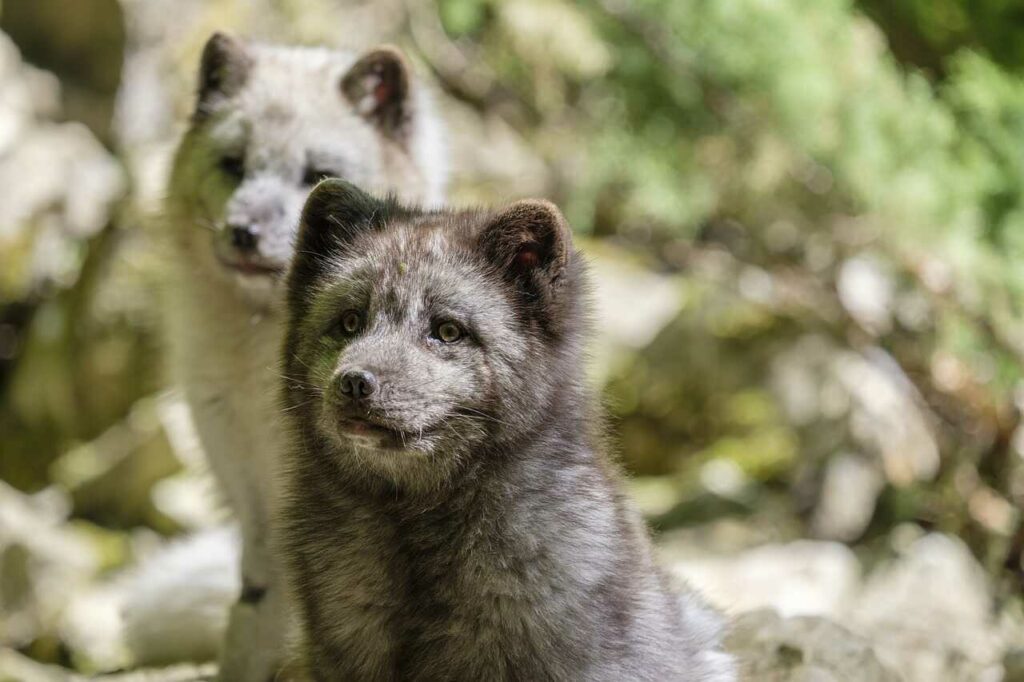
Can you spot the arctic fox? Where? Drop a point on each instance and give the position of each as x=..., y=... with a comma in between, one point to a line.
x=269, y=123
x=447, y=512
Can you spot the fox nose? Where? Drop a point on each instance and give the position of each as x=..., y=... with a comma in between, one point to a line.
x=358, y=383
x=243, y=237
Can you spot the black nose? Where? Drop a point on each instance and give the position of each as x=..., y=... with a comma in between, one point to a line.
x=357, y=383
x=243, y=237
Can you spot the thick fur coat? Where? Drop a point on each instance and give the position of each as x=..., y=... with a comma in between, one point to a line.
x=269, y=123
x=448, y=512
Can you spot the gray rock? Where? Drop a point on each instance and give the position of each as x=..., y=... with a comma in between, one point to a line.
x=111, y=477
x=848, y=496
x=14, y=666
x=42, y=564
x=632, y=304
x=18, y=668
x=771, y=648
x=928, y=614
x=60, y=182
x=866, y=289
x=931, y=613
x=864, y=398
x=797, y=578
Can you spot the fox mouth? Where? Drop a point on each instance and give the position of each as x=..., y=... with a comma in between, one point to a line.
x=361, y=427
x=364, y=430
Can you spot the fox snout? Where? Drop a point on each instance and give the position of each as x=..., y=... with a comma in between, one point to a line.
x=357, y=410
x=246, y=227
x=244, y=237
x=356, y=384
x=258, y=225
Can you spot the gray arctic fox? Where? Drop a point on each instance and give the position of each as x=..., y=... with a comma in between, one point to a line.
x=269, y=122
x=448, y=512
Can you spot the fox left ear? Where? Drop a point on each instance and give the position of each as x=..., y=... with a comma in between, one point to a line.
x=335, y=212
x=223, y=71
x=378, y=87
x=531, y=243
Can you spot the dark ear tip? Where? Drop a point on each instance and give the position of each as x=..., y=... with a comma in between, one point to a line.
x=223, y=70
x=221, y=41
x=543, y=212
x=331, y=187
x=379, y=84
x=387, y=61
x=390, y=51
x=338, y=191
x=336, y=197
x=539, y=206
x=387, y=53
x=325, y=194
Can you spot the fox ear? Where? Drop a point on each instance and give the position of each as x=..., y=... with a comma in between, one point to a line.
x=531, y=244
x=223, y=70
x=378, y=86
x=335, y=213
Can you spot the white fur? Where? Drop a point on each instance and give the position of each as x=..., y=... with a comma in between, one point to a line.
x=175, y=602
x=224, y=330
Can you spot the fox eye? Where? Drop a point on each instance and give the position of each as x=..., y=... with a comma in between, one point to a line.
x=448, y=332
x=349, y=323
x=311, y=176
x=234, y=166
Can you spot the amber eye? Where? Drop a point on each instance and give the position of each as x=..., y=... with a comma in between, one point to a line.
x=350, y=323
x=448, y=332
x=233, y=166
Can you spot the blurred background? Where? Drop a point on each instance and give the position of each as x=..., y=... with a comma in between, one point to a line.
x=806, y=219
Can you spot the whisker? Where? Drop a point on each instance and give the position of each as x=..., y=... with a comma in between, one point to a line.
x=298, y=380
x=470, y=413
x=296, y=406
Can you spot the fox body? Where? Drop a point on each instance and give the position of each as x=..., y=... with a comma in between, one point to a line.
x=269, y=123
x=448, y=513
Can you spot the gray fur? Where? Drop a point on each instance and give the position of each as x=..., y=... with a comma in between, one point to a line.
x=460, y=522
x=267, y=120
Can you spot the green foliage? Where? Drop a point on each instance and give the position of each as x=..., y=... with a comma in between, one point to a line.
x=793, y=136
x=928, y=32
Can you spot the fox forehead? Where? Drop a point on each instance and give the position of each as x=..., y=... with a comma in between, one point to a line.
x=291, y=105
x=407, y=271
x=287, y=74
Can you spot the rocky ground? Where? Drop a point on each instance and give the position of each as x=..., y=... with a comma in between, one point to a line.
x=842, y=495
x=799, y=610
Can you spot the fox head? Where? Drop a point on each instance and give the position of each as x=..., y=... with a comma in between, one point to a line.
x=269, y=123
x=421, y=344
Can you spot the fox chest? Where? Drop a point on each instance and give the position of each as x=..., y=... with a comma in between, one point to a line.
x=386, y=605
x=225, y=358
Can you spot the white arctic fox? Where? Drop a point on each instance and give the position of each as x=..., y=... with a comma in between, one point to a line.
x=269, y=123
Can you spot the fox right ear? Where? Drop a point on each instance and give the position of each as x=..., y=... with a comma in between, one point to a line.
x=378, y=86
x=530, y=245
x=530, y=242
x=223, y=70
x=335, y=212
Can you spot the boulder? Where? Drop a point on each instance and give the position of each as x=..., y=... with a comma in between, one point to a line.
x=772, y=648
